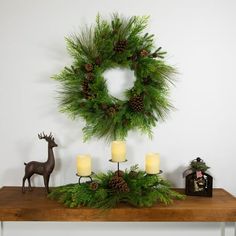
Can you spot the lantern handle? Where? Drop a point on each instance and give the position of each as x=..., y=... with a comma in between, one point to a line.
x=198, y=159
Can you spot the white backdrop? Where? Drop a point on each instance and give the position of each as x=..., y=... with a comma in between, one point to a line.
x=199, y=37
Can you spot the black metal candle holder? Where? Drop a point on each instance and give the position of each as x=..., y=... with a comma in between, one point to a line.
x=118, y=164
x=87, y=176
x=159, y=173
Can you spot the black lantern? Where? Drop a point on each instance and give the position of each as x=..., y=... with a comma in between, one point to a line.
x=197, y=181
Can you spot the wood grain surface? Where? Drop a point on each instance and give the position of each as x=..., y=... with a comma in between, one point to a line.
x=35, y=206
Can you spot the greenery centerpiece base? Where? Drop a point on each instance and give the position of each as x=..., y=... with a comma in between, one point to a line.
x=107, y=190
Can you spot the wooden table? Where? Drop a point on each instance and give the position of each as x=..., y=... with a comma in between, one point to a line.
x=35, y=206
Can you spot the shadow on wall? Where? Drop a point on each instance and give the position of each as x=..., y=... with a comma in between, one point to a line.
x=13, y=175
x=176, y=177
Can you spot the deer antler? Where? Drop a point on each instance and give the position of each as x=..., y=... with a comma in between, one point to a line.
x=44, y=136
x=50, y=135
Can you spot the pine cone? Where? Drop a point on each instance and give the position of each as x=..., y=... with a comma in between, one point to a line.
x=85, y=86
x=120, y=46
x=98, y=61
x=136, y=103
x=86, y=89
x=104, y=106
x=118, y=183
x=89, y=76
x=111, y=111
x=87, y=95
x=146, y=80
x=119, y=173
x=88, y=67
x=93, y=186
x=144, y=53
x=133, y=174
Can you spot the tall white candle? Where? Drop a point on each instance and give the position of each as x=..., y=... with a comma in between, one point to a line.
x=152, y=163
x=84, y=165
x=118, y=151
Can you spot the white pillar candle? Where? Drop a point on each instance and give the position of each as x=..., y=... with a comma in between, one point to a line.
x=152, y=164
x=118, y=151
x=84, y=165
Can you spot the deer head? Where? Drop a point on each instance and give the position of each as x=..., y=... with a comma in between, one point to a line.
x=49, y=138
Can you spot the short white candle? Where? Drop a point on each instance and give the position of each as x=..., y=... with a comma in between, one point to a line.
x=152, y=164
x=84, y=165
x=118, y=151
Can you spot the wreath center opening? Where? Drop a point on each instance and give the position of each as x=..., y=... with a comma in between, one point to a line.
x=119, y=80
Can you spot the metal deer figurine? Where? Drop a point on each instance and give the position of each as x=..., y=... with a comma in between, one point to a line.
x=41, y=168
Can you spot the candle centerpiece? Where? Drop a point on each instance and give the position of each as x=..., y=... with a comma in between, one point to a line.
x=133, y=186
x=84, y=167
x=152, y=163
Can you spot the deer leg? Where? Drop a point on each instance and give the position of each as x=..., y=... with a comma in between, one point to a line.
x=46, y=181
x=23, y=185
x=30, y=188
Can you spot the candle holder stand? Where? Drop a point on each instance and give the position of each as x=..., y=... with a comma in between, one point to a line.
x=159, y=173
x=81, y=177
x=118, y=165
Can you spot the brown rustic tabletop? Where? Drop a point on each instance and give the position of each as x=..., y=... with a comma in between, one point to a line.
x=35, y=206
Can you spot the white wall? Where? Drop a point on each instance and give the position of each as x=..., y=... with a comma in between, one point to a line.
x=200, y=39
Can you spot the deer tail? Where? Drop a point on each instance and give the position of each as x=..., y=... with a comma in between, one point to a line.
x=25, y=163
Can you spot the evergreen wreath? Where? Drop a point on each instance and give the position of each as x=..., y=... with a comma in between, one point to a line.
x=112, y=44
x=109, y=189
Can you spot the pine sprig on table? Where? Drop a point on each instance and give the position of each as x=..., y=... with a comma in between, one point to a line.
x=144, y=191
